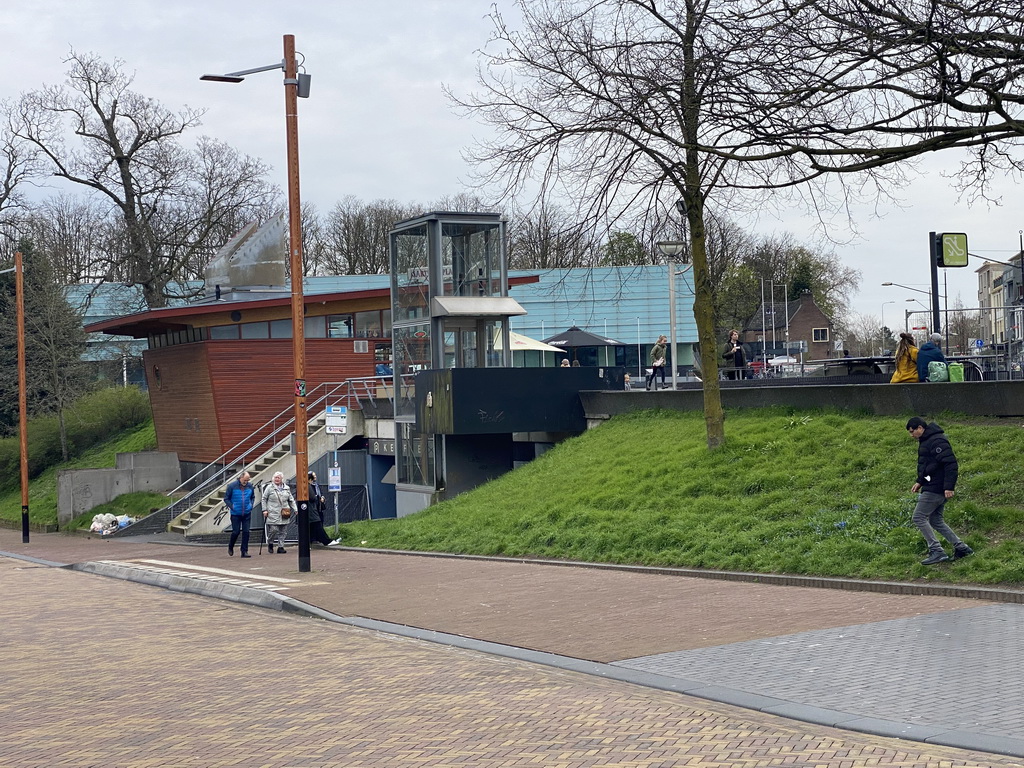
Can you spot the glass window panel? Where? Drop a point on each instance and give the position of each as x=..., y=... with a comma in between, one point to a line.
x=368, y=325
x=415, y=459
x=315, y=327
x=339, y=326
x=469, y=255
x=387, y=322
x=281, y=329
x=255, y=330
x=411, y=345
x=409, y=280
x=224, y=332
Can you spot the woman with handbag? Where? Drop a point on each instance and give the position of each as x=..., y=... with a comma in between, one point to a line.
x=658, y=353
x=278, y=508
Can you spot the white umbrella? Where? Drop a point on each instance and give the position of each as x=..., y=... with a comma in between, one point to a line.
x=519, y=342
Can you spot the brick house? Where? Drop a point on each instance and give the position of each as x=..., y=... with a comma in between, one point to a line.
x=798, y=328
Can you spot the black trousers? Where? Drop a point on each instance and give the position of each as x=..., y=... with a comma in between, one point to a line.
x=240, y=525
x=317, y=532
x=655, y=372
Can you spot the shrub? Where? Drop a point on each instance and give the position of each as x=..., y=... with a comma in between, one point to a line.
x=93, y=418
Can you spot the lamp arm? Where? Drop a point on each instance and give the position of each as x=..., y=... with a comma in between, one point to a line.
x=254, y=70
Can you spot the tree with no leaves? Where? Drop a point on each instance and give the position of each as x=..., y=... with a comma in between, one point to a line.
x=175, y=205
x=633, y=104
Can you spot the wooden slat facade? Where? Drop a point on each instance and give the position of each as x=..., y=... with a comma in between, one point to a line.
x=214, y=394
x=181, y=394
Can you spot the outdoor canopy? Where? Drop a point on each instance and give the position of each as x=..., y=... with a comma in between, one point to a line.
x=577, y=337
x=519, y=342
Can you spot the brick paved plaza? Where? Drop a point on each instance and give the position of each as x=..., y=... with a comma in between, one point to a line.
x=101, y=672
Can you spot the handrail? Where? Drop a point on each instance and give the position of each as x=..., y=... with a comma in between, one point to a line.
x=348, y=391
x=223, y=458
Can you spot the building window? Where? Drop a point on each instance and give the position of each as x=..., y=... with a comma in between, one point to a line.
x=224, y=332
x=820, y=334
x=339, y=326
x=255, y=330
x=368, y=325
x=315, y=327
x=282, y=329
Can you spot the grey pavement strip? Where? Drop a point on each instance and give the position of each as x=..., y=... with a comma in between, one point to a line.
x=810, y=659
x=945, y=674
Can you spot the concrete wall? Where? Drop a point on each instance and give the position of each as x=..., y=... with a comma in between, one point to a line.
x=79, y=490
x=975, y=398
x=153, y=470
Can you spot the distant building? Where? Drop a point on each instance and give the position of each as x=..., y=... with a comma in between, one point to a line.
x=796, y=329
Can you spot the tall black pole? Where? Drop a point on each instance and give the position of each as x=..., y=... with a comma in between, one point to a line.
x=933, y=250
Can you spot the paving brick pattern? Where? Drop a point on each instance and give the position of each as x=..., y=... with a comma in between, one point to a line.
x=105, y=673
x=948, y=669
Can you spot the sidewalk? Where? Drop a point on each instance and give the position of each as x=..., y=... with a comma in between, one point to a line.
x=943, y=670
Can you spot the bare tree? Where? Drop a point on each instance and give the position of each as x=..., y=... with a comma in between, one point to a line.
x=710, y=101
x=356, y=235
x=549, y=237
x=18, y=164
x=862, y=334
x=174, y=206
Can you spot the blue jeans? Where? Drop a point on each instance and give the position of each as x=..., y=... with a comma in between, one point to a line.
x=928, y=519
x=240, y=524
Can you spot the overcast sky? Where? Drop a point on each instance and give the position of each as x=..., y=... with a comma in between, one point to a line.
x=377, y=124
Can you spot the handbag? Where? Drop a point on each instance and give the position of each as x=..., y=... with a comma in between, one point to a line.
x=659, y=363
x=286, y=508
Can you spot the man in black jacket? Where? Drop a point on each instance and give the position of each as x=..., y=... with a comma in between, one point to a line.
x=937, y=471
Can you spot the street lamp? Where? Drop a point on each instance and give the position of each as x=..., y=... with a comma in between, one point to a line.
x=672, y=250
x=295, y=85
x=908, y=312
x=19, y=302
x=881, y=349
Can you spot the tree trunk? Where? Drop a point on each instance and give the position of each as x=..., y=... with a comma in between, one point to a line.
x=62, y=427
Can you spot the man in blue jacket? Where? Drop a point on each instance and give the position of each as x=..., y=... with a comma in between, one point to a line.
x=929, y=352
x=240, y=498
x=937, y=472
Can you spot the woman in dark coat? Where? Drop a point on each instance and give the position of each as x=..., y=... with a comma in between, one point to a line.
x=735, y=356
x=316, y=512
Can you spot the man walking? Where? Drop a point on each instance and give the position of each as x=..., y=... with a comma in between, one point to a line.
x=937, y=471
x=239, y=498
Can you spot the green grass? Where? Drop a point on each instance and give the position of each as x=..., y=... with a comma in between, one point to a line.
x=43, y=489
x=809, y=493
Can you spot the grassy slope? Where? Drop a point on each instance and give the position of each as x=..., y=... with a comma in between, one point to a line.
x=43, y=489
x=817, y=493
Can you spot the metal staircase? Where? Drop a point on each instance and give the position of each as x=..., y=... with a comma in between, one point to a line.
x=201, y=511
x=261, y=470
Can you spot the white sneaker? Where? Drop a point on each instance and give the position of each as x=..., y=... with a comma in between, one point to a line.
x=334, y=543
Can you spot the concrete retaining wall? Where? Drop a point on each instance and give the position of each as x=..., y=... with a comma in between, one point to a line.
x=976, y=398
x=79, y=490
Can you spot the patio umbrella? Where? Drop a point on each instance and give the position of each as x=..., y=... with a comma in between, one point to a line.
x=577, y=337
x=519, y=342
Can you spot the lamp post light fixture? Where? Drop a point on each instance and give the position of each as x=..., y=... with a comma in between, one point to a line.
x=672, y=250
x=295, y=85
x=19, y=303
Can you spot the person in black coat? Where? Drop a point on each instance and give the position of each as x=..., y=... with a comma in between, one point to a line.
x=937, y=472
x=316, y=512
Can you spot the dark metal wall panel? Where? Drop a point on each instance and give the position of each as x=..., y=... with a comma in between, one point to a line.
x=465, y=401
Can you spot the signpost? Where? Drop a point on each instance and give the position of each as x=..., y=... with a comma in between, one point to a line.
x=337, y=419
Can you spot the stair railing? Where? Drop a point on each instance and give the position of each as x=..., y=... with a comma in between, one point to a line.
x=350, y=392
